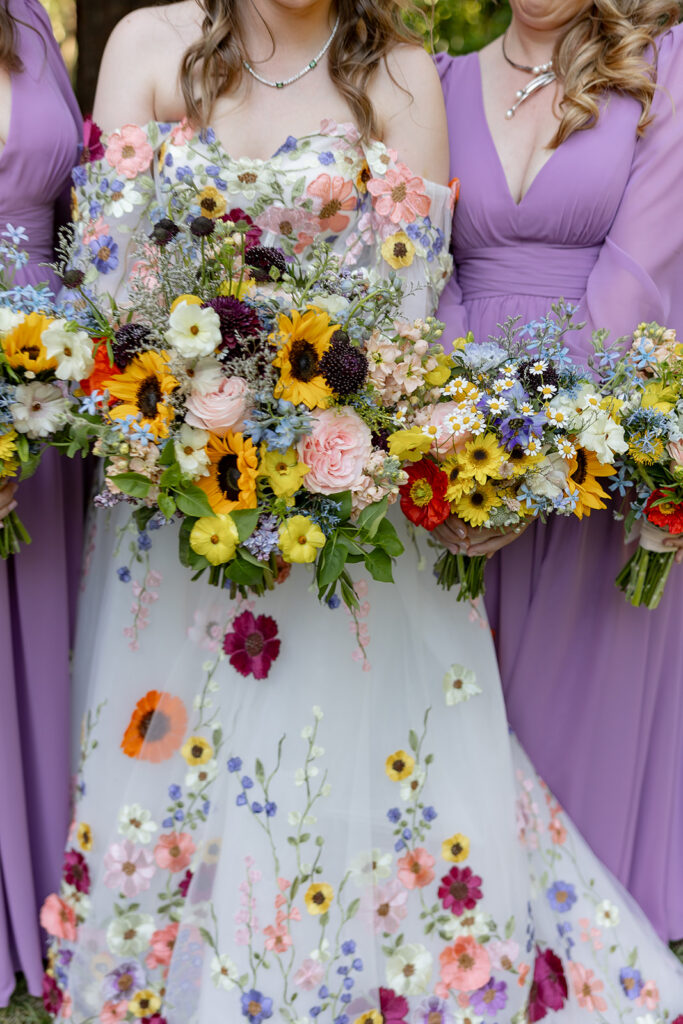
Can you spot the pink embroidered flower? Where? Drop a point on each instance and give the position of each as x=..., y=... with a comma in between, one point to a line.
x=253, y=645
x=92, y=147
x=112, y=1013
x=129, y=868
x=288, y=222
x=586, y=987
x=415, y=870
x=400, y=195
x=208, y=629
x=95, y=229
x=549, y=988
x=503, y=954
x=162, y=943
x=182, y=133
x=460, y=890
x=334, y=194
x=278, y=939
x=465, y=966
x=129, y=151
x=309, y=975
x=335, y=451
x=58, y=918
x=649, y=996
x=220, y=411
x=558, y=832
x=67, y=1007
x=386, y=905
x=174, y=851
x=76, y=871
x=523, y=971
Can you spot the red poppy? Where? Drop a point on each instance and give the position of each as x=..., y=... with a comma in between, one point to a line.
x=549, y=988
x=423, y=497
x=460, y=890
x=92, y=146
x=76, y=871
x=103, y=370
x=663, y=509
x=253, y=645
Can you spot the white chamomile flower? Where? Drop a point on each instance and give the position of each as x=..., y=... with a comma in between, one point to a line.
x=411, y=786
x=607, y=914
x=546, y=391
x=9, y=320
x=370, y=867
x=194, y=331
x=500, y=385
x=497, y=405
x=38, y=409
x=588, y=398
x=409, y=970
x=190, y=451
x=526, y=409
x=566, y=448
x=136, y=824
x=460, y=684
x=73, y=351
x=477, y=426
x=509, y=370
x=400, y=416
x=201, y=774
x=538, y=367
x=533, y=447
x=224, y=973
x=429, y=430
x=558, y=417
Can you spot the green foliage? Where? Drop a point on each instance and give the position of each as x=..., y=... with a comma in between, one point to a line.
x=459, y=26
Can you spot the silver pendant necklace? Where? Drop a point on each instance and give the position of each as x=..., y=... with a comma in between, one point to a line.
x=300, y=74
x=543, y=74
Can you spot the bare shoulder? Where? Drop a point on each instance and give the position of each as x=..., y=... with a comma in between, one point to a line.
x=407, y=95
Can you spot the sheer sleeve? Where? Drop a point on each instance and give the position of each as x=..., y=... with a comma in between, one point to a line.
x=639, y=273
x=407, y=228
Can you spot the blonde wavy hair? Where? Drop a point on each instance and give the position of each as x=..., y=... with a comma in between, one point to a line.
x=610, y=45
x=368, y=31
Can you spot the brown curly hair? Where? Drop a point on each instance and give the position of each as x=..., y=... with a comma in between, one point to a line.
x=9, y=58
x=610, y=45
x=368, y=31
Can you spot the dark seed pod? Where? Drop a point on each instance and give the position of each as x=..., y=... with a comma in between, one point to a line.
x=73, y=278
x=202, y=227
x=130, y=339
x=344, y=366
x=164, y=231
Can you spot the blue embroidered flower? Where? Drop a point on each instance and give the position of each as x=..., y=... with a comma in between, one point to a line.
x=334, y=602
x=348, y=947
x=357, y=964
x=271, y=809
x=105, y=253
x=179, y=815
x=175, y=792
x=123, y=574
x=256, y=807
x=144, y=541
x=394, y=815
x=399, y=845
x=561, y=896
x=323, y=992
x=631, y=982
x=247, y=782
x=256, y=1007
x=167, y=823
x=79, y=176
x=234, y=764
x=241, y=800
x=429, y=814
x=288, y=146
x=326, y=158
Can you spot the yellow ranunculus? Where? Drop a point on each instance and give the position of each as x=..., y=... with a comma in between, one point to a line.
x=191, y=300
x=300, y=539
x=284, y=472
x=437, y=377
x=657, y=396
x=409, y=444
x=215, y=537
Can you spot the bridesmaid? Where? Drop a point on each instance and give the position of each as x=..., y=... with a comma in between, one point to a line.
x=575, y=194
x=39, y=132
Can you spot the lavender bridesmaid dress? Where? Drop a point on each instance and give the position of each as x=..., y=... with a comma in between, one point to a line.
x=594, y=687
x=38, y=587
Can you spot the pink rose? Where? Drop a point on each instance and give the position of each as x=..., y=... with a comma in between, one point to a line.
x=220, y=411
x=129, y=151
x=675, y=450
x=335, y=452
x=446, y=442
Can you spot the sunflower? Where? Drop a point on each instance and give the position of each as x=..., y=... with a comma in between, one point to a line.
x=584, y=468
x=519, y=461
x=196, y=750
x=24, y=347
x=156, y=727
x=475, y=506
x=458, y=482
x=399, y=765
x=8, y=445
x=482, y=458
x=233, y=469
x=319, y=898
x=303, y=340
x=141, y=389
x=84, y=836
x=456, y=848
x=211, y=203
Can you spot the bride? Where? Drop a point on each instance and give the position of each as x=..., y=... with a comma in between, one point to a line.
x=353, y=839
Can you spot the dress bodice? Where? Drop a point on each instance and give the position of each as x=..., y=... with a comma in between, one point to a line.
x=43, y=137
x=330, y=186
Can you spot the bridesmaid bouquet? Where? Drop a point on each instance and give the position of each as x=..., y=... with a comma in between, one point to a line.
x=517, y=431
x=645, y=388
x=240, y=394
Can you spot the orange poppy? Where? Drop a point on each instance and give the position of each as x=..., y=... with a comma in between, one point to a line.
x=102, y=370
x=156, y=729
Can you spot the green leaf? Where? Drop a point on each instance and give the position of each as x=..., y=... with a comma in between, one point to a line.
x=344, y=500
x=353, y=909
x=331, y=562
x=243, y=573
x=171, y=477
x=187, y=556
x=633, y=957
x=388, y=539
x=22, y=447
x=134, y=484
x=260, y=771
x=245, y=520
x=167, y=505
x=217, y=737
x=370, y=518
x=295, y=887
x=509, y=927
x=192, y=501
x=412, y=739
x=167, y=457
x=379, y=566
x=142, y=516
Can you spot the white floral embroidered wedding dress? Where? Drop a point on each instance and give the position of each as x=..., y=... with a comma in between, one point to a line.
x=354, y=839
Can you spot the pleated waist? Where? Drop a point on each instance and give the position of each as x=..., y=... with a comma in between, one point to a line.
x=551, y=271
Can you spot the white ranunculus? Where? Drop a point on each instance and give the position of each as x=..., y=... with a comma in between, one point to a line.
x=129, y=934
x=201, y=774
x=73, y=351
x=190, y=451
x=413, y=784
x=39, y=409
x=409, y=970
x=604, y=436
x=136, y=824
x=607, y=914
x=9, y=320
x=194, y=331
x=207, y=376
x=549, y=478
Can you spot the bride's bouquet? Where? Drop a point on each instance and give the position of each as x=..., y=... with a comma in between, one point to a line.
x=645, y=387
x=240, y=394
x=517, y=431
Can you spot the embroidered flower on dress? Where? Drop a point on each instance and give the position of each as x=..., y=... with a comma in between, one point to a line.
x=129, y=151
x=253, y=645
x=460, y=890
x=156, y=728
x=400, y=195
x=333, y=194
x=460, y=684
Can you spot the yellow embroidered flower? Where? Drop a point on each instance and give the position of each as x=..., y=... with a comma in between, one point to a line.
x=212, y=203
x=196, y=750
x=191, y=300
x=584, y=470
x=371, y=1017
x=363, y=178
x=8, y=445
x=233, y=468
x=409, y=444
x=142, y=388
x=319, y=898
x=482, y=458
x=24, y=347
x=284, y=472
x=144, y=1003
x=84, y=836
x=459, y=483
x=399, y=765
x=475, y=505
x=398, y=251
x=302, y=341
x=216, y=538
x=300, y=539
x=455, y=849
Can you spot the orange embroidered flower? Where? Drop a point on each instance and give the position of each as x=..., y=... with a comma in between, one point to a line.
x=174, y=851
x=335, y=194
x=558, y=832
x=465, y=966
x=415, y=870
x=156, y=728
x=400, y=195
x=587, y=988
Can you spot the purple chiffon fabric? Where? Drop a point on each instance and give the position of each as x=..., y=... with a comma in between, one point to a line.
x=594, y=687
x=37, y=588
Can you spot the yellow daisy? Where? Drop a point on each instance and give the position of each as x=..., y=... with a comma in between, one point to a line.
x=8, y=445
x=371, y=1017
x=233, y=468
x=482, y=458
x=24, y=347
x=216, y=538
x=84, y=836
x=141, y=390
x=456, y=848
x=399, y=765
x=475, y=506
x=283, y=471
x=319, y=898
x=459, y=482
x=302, y=341
x=398, y=251
x=520, y=462
x=212, y=203
x=584, y=470
x=196, y=750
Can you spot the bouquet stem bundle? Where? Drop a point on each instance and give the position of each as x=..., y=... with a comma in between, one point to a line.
x=462, y=571
x=13, y=534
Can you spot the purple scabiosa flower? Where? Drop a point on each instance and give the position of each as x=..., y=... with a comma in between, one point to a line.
x=490, y=998
x=631, y=981
x=123, y=981
x=238, y=320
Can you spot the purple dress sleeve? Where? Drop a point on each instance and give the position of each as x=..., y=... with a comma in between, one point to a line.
x=639, y=272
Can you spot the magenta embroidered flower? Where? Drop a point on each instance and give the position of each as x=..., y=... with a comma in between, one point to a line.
x=549, y=987
x=52, y=995
x=460, y=890
x=76, y=871
x=253, y=645
x=184, y=885
x=92, y=147
x=490, y=998
x=394, y=1008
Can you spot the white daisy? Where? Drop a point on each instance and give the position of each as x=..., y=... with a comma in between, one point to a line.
x=460, y=684
x=123, y=199
x=224, y=973
x=129, y=934
x=39, y=409
x=607, y=914
x=194, y=331
x=135, y=823
x=201, y=774
x=469, y=923
x=411, y=786
x=409, y=970
x=248, y=178
x=371, y=867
